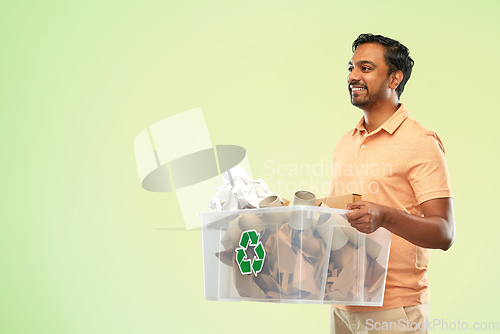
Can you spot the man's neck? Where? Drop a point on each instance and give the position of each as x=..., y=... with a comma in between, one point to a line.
x=377, y=116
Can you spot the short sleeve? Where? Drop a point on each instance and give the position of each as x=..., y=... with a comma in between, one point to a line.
x=427, y=169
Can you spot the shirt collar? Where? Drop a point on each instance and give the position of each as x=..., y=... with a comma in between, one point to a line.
x=390, y=125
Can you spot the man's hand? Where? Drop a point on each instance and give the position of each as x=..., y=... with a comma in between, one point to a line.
x=368, y=216
x=435, y=230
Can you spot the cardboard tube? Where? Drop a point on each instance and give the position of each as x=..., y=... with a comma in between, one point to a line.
x=272, y=217
x=373, y=248
x=270, y=202
x=303, y=197
x=250, y=221
x=287, y=214
x=353, y=235
x=339, y=239
x=301, y=219
x=323, y=226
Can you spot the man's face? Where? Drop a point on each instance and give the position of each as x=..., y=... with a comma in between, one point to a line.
x=368, y=80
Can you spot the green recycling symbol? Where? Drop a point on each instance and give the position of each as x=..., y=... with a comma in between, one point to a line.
x=255, y=265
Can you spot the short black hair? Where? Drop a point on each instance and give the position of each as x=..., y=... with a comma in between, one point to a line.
x=397, y=56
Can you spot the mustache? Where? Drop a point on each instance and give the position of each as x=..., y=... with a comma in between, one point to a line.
x=357, y=83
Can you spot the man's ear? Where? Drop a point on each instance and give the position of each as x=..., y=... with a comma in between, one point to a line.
x=396, y=78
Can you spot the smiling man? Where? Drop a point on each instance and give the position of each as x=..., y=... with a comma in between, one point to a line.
x=404, y=183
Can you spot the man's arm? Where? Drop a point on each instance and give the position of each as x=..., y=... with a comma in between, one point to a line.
x=435, y=230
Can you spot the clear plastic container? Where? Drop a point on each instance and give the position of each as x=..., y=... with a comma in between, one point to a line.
x=292, y=254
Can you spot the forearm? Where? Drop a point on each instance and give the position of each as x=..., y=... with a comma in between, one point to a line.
x=429, y=232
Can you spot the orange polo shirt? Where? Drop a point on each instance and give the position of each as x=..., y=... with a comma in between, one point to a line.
x=400, y=165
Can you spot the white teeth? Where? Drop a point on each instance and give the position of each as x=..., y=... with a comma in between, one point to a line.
x=357, y=88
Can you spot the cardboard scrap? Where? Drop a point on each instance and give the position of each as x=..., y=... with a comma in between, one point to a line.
x=231, y=238
x=226, y=256
x=345, y=280
x=246, y=285
x=343, y=256
x=338, y=202
x=267, y=283
x=375, y=275
x=303, y=276
x=287, y=255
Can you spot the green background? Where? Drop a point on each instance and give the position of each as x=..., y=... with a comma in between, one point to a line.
x=84, y=249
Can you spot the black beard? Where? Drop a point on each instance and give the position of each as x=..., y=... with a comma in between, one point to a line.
x=370, y=101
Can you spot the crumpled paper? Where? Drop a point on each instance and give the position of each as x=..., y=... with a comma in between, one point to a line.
x=239, y=192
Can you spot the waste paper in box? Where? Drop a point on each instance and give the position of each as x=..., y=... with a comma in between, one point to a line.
x=292, y=254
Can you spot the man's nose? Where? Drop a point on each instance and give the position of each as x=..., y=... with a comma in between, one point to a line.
x=353, y=76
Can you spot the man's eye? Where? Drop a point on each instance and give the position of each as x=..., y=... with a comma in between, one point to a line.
x=350, y=69
x=366, y=68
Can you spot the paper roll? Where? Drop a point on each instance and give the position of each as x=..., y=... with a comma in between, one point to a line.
x=303, y=197
x=274, y=217
x=325, y=228
x=287, y=215
x=303, y=219
x=250, y=221
x=270, y=202
x=373, y=248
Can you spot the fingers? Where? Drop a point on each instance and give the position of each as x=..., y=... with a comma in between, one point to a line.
x=352, y=216
x=362, y=226
x=361, y=219
x=366, y=217
x=360, y=208
x=355, y=205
